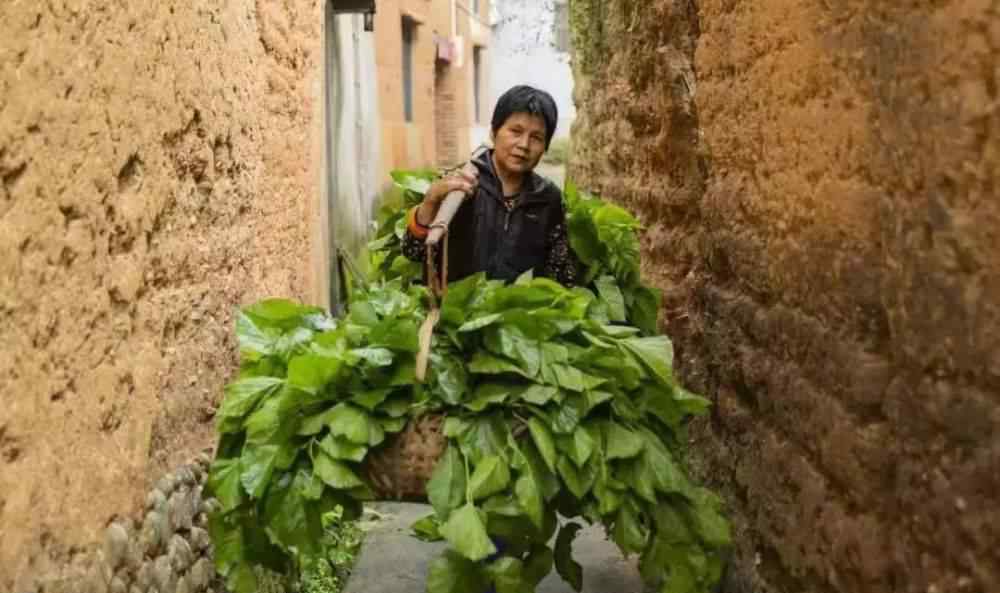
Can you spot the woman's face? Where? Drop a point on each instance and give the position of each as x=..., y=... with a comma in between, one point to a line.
x=519, y=143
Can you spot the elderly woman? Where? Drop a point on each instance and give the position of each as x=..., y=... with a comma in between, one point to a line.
x=515, y=221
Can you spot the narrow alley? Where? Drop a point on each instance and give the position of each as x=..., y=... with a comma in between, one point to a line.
x=456, y=296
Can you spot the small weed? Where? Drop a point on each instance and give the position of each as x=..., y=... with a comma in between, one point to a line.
x=342, y=540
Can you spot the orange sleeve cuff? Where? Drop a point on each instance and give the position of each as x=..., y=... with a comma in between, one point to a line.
x=416, y=229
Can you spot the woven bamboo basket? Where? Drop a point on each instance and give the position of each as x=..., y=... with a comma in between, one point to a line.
x=401, y=469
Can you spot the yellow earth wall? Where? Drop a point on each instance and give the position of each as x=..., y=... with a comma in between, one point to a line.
x=818, y=181
x=159, y=166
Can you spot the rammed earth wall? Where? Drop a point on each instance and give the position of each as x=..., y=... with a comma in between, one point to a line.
x=819, y=185
x=158, y=167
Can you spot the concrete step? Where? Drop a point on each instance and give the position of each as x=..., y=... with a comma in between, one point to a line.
x=392, y=561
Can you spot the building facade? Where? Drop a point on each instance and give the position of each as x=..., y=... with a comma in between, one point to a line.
x=432, y=61
x=531, y=45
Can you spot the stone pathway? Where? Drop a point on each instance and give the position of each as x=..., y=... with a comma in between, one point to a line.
x=394, y=562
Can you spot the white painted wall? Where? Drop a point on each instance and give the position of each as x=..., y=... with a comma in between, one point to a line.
x=351, y=138
x=523, y=52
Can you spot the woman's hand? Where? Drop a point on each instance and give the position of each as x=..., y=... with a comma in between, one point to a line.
x=465, y=180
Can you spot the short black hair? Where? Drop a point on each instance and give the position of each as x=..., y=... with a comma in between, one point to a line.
x=526, y=99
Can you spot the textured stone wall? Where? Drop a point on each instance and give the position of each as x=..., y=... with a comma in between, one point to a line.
x=157, y=169
x=167, y=550
x=818, y=182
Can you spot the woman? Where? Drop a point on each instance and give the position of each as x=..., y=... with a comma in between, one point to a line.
x=514, y=221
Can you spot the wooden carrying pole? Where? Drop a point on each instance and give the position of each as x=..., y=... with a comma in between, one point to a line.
x=447, y=210
x=437, y=280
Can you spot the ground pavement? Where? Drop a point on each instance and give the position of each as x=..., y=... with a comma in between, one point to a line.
x=392, y=561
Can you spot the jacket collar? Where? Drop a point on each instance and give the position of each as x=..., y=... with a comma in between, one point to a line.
x=535, y=188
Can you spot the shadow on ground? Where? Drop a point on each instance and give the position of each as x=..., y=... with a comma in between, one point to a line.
x=394, y=562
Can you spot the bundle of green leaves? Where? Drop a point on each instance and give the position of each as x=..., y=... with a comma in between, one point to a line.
x=386, y=260
x=558, y=413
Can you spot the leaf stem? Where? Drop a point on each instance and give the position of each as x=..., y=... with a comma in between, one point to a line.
x=468, y=478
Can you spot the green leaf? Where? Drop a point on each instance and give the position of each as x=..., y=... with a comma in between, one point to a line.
x=446, y=488
x=667, y=476
x=342, y=449
x=312, y=486
x=455, y=427
x=310, y=372
x=578, y=481
x=486, y=364
x=393, y=425
x=451, y=378
x=377, y=357
x=255, y=342
x=507, y=575
x=257, y=465
x=427, y=529
x=656, y=353
x=539, y=394
x=413, y=181
x=620, y=331
x=490, y=476
x=645, y=308
x=376, y=434
x=622, y=442
x=592, y=399
x=639, y=475
x=628, y=532
x=286, y=514
x=530, y=496
x=276, y=311
x=371, y=398
x=567, y=416
x=486, y=436
x=362, y=313
x=397, y=406
x=544, y=441
x=504, y=505
x=656, y=400
x=242, y=396
x=451, y=573
x=466, y=533
x=242, y=579
x=334, y=473
x=395, y=334
x=569, y=377
x=273, y=421
x=690, y=402
x=480, y=322
x=680, y=580
x=578, y=447
x=568, y=569
x=512, y=343
x=226, y=532
x=224, y=482
x=314, y=424
x=487, y=394
x=609, y=499
x=538, y=564
x=607, y=287
x=350, y=422
x=708, y=522
x=454, y=307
